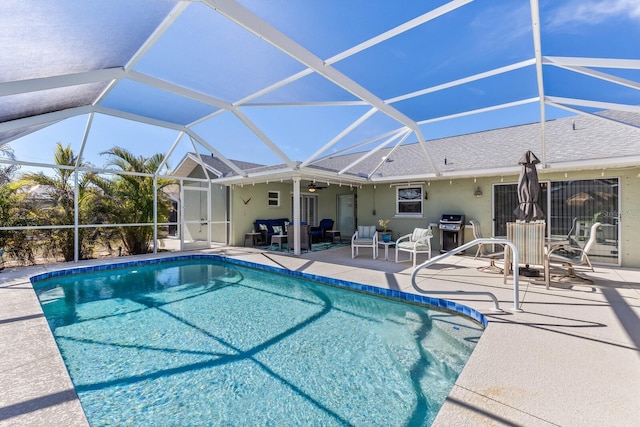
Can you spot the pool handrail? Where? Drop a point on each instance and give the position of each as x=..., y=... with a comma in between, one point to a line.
x=514, y=259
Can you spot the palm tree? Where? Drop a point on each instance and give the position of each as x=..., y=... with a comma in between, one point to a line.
x=58, y=209
x=7, y=171
x=130, y=197
x=15, y=243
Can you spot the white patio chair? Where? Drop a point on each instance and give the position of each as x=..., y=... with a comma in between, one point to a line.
x=574, y=256
x=365, y=236
x=418, y=242
x=484, y=250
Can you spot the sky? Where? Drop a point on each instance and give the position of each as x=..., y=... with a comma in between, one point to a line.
x=206, y=52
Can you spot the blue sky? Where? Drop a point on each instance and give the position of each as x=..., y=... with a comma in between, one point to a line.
x=206, y=52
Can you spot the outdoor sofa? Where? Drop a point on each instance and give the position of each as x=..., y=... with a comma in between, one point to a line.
x=266, y=228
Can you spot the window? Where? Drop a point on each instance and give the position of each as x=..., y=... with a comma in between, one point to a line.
x=308, y=209
x=409, y=201
x=273, y=198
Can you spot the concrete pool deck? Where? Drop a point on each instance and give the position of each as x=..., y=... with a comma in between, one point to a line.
x=570, y=358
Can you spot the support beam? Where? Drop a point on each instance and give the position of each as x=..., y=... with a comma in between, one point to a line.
x=341, y=135
x=254, y=24
x=585, y=113
x=464, y=80
x=375, y=150
x=537, y=47
x=264, y=138
x=568, y=61
x=206, y=145
x=296, y=215
x=600, y=75
x=383, y=161
x=55, y=82
x=44, y=119
x=594, y=104
x=178, y=90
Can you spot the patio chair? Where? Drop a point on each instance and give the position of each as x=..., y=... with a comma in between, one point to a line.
x=320, y=232
x=365, y=236
x=529, y=239
x=571, y=237
x=574, y=256
x=304, y=237
x=487, y=250
x=418, y=242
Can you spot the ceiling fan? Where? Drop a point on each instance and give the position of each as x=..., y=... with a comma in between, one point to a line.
x=312, y=187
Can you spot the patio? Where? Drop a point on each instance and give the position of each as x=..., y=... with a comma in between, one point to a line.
x=570, y=358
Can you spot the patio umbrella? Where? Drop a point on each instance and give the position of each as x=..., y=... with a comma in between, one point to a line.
x=528, y=192
x=528, y=189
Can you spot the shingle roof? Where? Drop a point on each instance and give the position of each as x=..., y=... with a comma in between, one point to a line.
x=572, y=140
x=595, y=143
x=219, y=165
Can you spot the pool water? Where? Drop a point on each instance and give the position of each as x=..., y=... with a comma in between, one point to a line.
x=204, y=342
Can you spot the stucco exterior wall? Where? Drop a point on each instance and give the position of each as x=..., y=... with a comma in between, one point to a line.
x=376, y=202
x=442, y=197
x=456, y=197
x=249, y=203
x=630, y=218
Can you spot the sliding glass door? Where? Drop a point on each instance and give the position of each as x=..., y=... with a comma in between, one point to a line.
x=577, y=205
x=571, y=207
x=505, y=200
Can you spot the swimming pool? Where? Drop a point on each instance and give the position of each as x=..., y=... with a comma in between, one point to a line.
x=200, y=340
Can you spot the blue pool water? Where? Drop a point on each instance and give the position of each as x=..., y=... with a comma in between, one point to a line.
x=207, y=342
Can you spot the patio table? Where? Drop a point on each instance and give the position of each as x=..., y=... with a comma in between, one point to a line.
x=279, y=239
x=386, y=248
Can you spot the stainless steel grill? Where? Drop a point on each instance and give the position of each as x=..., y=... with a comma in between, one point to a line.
x=451, y=231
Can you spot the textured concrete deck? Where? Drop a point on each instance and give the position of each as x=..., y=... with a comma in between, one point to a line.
x=570, y=358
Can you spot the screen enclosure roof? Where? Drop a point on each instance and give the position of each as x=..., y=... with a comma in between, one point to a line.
x=292, y=84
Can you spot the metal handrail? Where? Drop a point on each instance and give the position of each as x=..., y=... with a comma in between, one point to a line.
x=514, y=249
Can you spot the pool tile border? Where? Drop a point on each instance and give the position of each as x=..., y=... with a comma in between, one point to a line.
x=425, y=300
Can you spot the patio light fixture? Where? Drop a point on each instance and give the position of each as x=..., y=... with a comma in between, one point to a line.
x=478, y=192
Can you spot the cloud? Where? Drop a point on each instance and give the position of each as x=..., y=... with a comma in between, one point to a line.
x=500, y=26
x=594, y=12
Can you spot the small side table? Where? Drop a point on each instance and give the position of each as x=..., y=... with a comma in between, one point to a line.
x=334, y=234
x=279, y=239
x=386, y=248
x=253, y=235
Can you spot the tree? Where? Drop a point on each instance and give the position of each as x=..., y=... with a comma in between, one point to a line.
x=131, y=197
x=7, y=171
x=12, y=213
x=58, y=207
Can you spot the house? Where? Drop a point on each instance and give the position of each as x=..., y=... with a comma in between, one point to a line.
x=590, y=172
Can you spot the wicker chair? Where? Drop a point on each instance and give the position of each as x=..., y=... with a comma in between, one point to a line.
x=304, y=237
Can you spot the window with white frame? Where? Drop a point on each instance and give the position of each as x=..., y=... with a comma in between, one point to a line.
x=409, y=201
x=308, y=209
x=273, y=198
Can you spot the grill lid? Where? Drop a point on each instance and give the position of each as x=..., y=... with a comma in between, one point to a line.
x=452, y=219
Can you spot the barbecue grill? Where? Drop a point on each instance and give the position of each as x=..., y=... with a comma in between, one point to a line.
x=451, y=231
